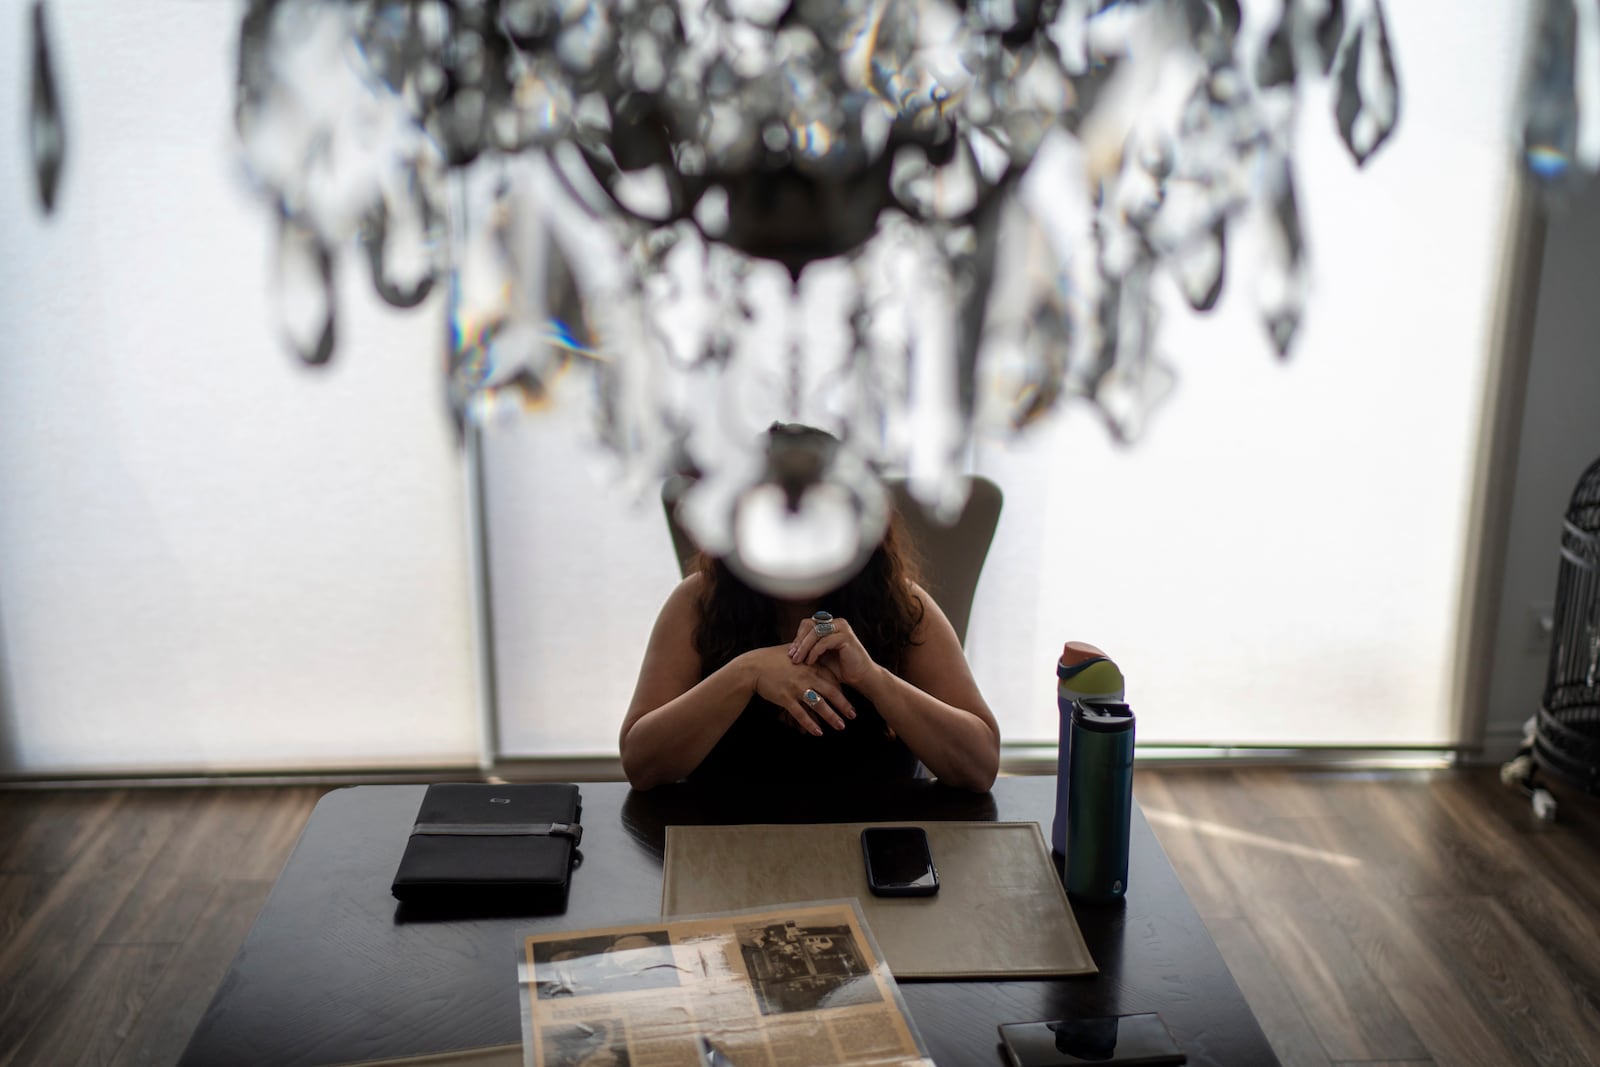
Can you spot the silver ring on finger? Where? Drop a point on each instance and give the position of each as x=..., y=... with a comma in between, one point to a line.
x=812, y=697
x=824, y=623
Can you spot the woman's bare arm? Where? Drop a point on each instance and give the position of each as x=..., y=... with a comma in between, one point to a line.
x=676, y=717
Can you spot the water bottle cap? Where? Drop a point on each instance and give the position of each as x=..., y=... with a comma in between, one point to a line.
x=1076, y=652
x=1104, y=718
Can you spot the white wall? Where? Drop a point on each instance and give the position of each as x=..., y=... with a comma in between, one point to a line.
x=211, y=558
x=1560, y=437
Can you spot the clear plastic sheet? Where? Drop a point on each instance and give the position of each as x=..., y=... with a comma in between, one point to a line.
x=794, y=986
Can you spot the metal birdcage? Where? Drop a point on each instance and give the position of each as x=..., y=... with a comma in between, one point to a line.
x=1566, y=737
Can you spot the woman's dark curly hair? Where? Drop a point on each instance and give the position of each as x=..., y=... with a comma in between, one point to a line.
x=878, y=603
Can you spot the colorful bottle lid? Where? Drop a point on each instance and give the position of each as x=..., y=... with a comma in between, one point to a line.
x=1074, y=653
x=1088, y=671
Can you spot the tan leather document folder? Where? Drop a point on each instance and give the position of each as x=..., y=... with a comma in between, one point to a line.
x=1000, y=911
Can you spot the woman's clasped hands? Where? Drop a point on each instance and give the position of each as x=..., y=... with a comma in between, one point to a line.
x=829, y=642
x=805, y=679
x=825, y=656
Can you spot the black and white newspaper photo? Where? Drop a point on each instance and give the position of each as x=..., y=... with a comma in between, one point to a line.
x=795, y=986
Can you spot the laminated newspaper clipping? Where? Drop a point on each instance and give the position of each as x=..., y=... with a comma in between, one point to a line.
x=795, y=986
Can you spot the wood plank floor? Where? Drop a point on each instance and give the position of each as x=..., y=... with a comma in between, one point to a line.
x=1400, y=918
x=1373, y=919
x=121, y=910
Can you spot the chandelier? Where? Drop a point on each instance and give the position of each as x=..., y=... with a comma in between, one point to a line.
x=904, y=222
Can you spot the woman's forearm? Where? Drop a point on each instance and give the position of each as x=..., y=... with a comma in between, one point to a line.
x=956, y=745
x=669, y=741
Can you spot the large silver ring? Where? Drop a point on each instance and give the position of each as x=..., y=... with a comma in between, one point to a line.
x=824, y=623
x=812, y=697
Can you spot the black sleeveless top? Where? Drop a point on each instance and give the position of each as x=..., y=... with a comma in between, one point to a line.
x=764, y=746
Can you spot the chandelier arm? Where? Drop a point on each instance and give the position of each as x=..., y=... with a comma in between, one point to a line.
x=677, y=214
x=571, y=189
x=624, y=209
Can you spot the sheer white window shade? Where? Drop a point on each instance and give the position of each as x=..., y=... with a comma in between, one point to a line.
x=210, y=558
x=578, y=571
x=1278, y=562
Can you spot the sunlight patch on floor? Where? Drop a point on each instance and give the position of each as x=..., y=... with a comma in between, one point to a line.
x=1245, y=837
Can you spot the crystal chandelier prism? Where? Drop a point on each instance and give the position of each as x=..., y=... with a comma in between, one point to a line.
x=904, y=222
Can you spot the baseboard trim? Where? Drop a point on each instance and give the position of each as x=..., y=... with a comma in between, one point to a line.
x=1015, y=759
x=544, y=769
x=1500, y=743
x=1041, y=758
x=286, y=777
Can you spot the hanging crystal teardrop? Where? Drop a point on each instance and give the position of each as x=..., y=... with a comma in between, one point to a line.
x=401, y=238
x=569, y=329
x=1044, y=366
x=483, y=294
x=1326, y=18
x=1201, y=267
x=1551, y=114
x=1230, y=15
x=1027, y=326
x=1275, y=65
x=1282, y=280
x=1213, y=24
x=1131, y=379
x=305, y=291
x=1368, y=104
x=46, y=132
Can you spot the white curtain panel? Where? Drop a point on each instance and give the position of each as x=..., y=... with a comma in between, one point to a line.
x=211, y=558
x=1279, y=561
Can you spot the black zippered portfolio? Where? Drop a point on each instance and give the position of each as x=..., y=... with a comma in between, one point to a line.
x=501, y=847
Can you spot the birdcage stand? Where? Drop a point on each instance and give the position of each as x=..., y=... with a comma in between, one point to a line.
x=1563, y=737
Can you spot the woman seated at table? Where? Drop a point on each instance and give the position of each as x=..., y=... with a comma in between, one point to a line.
x=857, y=685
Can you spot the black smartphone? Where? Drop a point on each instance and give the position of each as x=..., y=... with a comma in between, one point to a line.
x=898, y=861
x=1108, y=1041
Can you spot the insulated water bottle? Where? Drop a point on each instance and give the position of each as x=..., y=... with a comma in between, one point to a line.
x=1083, y=673
x=1099, y=800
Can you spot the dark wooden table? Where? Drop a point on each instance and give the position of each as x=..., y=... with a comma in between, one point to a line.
x=334, y=971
